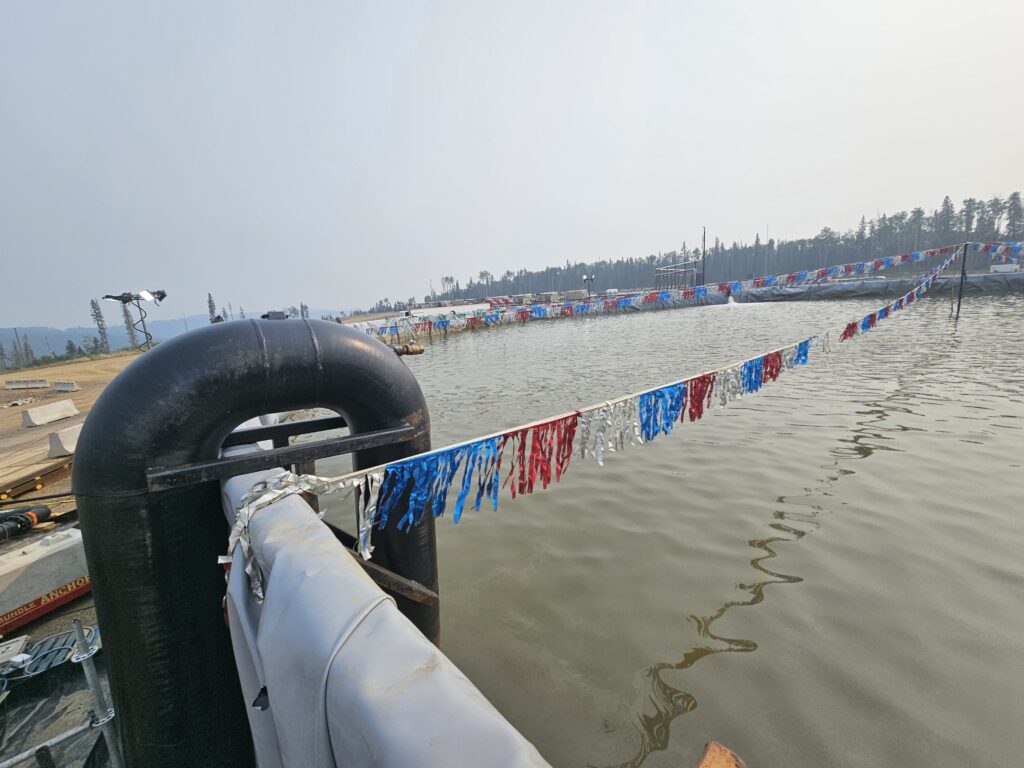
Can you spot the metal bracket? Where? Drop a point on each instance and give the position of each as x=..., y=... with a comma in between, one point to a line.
x=101, y=721
x=279, y=433
x=78, y=658
x=166, y=478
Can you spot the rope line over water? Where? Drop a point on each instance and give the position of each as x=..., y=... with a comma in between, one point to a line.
x=665, y=299
x=539, y=452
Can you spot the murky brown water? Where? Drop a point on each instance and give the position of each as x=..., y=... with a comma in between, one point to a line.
x=825, y=574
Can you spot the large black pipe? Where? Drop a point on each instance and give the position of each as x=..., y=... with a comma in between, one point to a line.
x=153, y=556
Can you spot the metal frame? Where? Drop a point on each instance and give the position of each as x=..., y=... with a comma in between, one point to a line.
x=166, y=478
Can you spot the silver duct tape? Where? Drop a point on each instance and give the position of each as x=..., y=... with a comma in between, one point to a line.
x=367, y=495
x=274, y=489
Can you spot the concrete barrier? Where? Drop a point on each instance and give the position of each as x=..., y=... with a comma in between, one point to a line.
x=65, y=386
x=45, y=414
x=26, y=384
x=63, y=442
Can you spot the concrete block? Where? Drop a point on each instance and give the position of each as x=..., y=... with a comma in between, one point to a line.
x=45, y=414
x=65, y=386
x=26, y=384
x=63, y=442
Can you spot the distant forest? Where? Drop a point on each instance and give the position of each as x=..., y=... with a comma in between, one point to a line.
x=886, y=235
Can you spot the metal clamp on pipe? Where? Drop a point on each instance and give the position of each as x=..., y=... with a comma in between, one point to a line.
x=407, y=349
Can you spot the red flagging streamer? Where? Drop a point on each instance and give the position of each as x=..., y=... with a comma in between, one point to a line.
x=723, y=287
x=698, y=395
x=566, y=433
x=910, y=297
x=759, y=282
x=518, y=466
x=872, y=320
x=689, y=293
x=540, y=455
x=651, y=298
x=549, y=443
x=771, y=366
x=849, y=332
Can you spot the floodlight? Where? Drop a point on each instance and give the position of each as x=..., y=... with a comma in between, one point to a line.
x=146, y=295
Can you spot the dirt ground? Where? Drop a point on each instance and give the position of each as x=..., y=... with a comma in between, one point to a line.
x=23, y=449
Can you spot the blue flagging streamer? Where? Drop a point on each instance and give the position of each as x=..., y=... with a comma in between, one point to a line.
x=382, y=330
x=801, y=352
x=488, y=481
x=802, y=276
x=441, y=325
x=701, y=292
x=883, y=313
x=624, y=302
x=426, y=481
x=660, y=409
x=736, y=287
x=771, y=280
x=865, y=324
x=860, y=268
x=664, y=296
x=581, y=309
x=752, y=375
x=539, y=311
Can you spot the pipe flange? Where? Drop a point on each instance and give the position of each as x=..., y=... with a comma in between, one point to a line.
x=103, y=720
x=80, y=657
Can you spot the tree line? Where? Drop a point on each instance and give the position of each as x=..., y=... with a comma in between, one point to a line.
x=884, y=235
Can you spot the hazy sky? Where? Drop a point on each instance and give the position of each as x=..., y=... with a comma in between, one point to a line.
x=336, y=153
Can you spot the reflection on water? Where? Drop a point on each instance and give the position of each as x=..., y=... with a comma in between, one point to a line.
x=667, y=702
x=870, y=434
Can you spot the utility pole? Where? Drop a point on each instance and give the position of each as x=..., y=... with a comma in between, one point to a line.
x=703, y=255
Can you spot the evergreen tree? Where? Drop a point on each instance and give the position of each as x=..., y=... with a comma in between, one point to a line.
x=1014, y=217
x=945, y=223
x=30, y=356
x=211, y=306
x=3, y=357
x=69, y=349
x=995, y=208
x=968, y=213
x=128, y=325
x=101, y=327
x=231, y=312
x=241, y=312
x=18, y=350
x=303, y=310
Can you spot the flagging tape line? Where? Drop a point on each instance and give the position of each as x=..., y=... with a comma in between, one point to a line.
x=529, y=453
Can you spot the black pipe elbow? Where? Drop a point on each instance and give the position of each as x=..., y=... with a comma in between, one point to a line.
x=153, y=556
